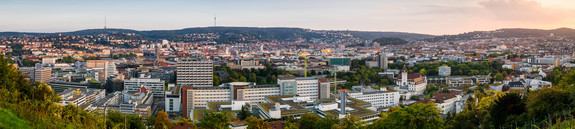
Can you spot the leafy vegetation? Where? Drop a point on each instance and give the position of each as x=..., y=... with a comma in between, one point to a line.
x=266, y=75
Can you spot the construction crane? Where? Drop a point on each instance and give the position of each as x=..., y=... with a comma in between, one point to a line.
x=334, y=71
x=305, y=64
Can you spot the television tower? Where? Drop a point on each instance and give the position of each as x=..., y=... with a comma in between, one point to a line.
x=214, y=19
x=105, y=22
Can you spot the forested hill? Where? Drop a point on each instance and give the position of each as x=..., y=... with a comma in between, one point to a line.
x=507, y=33
x=372, y=35
x=248, y=33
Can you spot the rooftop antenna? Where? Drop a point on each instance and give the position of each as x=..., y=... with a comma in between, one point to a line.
x=214, y=19
x=105, y=22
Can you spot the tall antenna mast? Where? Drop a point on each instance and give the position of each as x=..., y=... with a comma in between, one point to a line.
x=214, y=19
x=105, y=22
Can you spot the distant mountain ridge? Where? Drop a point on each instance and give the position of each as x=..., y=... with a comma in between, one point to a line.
x=272, y=33
x=506, y=33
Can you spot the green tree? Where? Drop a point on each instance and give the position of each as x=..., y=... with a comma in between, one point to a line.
x=351, y=122
x=162, y=120
x=216, y=80
x=243, y=79
x=309, y=121
x=422, y=71
x=498, y=77
x=328, y=122
x=245, y=112
x=424, y=116
x=213, y=120
x=252, y=77
x=257, y=123
x=547, y=101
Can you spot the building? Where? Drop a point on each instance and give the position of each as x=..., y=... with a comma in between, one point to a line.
x=43, y=74
x=29, y=71
x=382, y=60
x=459, y=81
x=154, y=84
x=130, y=102
x=307, y=86
x=199, y=97
x=173, y=100
x=81, y=96
x=377, y=98
x=413, y=83
x=194, y=72
x=48, y=60
x=325, y=85
x=446, y=102
x=444, y=71
x=339, y=61
x=96, y=63
x=287, y=84
x=109, y=69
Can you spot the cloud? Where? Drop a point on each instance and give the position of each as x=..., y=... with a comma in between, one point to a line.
x=525, y=11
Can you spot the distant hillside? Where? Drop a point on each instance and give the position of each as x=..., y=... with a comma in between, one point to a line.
x=390, y=41
x=234, y=33
x=371, y=35
x=506, y=33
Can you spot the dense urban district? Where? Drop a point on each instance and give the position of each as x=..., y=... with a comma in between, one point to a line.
x=276, y=78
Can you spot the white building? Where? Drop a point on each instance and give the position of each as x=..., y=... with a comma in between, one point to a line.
x=413, y=83
x=173, y=100
x=198, y=97
x=195, y=72
x=156, y=85
x=308, y=86
x=48, y=60
x=81, y=96
x=444, y=71
x=377, y=98
x=446, y=102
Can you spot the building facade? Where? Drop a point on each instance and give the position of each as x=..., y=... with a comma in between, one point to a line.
x=444, y=71
x=155, y=84
x=194, y=72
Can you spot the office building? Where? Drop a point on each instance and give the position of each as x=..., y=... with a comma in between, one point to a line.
x=287, y=84
x=43, y=74
x=444, y=71
x=199, y=97
x=154, y=84
x=339, y=61
x=173, y=100
x=377, y=98
x=382, y=60
x=194, y=72
x=308, y=87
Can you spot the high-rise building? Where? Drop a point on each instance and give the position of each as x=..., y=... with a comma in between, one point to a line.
x=195, y=72
x=109, y=69
x=96, y=63
x=382, y=60
x=288, y=85
x=444, y=71
x=154, y=84
x=43, y=74
x=339, y=61
x=308, y=87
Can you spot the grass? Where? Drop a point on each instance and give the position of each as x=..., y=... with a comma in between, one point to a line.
x=10, y=120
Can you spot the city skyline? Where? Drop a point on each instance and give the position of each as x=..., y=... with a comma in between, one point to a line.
x=417, y=16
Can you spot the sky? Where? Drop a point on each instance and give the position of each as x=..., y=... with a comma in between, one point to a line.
x=435, y=17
